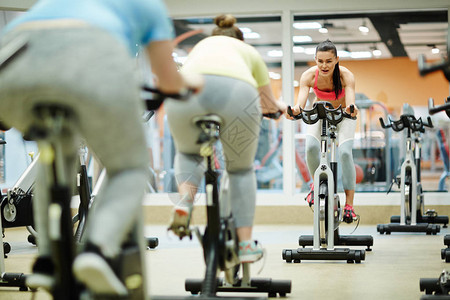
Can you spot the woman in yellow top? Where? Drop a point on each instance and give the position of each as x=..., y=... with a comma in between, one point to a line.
x=335, y=84
x=237, y=90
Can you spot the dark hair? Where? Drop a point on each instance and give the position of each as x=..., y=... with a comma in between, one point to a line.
x=329, y=46
x=225, y=26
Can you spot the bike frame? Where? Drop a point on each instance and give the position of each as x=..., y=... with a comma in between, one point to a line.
x=326, y=171
x=409, y=166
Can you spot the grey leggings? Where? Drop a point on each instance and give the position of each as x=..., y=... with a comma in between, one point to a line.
x=238, y=104
x=90, y=72
x=345, y=134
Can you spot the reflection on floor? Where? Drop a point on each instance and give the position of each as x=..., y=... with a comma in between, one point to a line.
x=391, y=271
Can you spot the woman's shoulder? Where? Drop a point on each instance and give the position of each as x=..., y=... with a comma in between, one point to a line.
x=309, y=75
x=346, y=75
x=345, y=71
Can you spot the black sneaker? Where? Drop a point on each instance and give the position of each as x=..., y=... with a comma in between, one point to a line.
x=42, y=274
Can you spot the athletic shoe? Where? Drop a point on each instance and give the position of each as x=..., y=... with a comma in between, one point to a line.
x=310, y=197
x=349, y=214
x=179, y=224
x=96, y=272
x=42, y=274
x=250, y=251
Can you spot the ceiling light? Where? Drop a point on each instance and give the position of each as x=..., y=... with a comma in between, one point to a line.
x=435, y=50
x=361, y=54
x=275, y=53
x=343, y=53
x=252, y=35
x=245, y=29
x=376, y=52
x=274, y=75
x=302, y=39
x=298, y=49
x=363, y=28
x=310, y=51
x=249, y=33
x=307, y=25
x=323, y=30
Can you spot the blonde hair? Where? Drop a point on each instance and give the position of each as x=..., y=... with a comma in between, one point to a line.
x=225, y=26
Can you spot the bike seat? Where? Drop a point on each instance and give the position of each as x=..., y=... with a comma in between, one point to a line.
x=210, y=126
x=48, y=119
x=207, y=119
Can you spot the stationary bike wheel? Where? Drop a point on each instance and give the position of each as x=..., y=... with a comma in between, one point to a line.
x=408, y=195
x=323, y=212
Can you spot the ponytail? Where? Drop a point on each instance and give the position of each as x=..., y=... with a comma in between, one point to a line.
x=329, y=46
x=337, y=80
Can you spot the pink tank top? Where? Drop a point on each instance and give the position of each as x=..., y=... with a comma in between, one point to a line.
x=329, y=96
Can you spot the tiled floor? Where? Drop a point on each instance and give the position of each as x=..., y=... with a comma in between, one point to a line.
x=391, y=271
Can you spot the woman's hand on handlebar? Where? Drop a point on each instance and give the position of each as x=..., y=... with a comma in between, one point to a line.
x=277, y=107
x=295, y=111
x=352, y=112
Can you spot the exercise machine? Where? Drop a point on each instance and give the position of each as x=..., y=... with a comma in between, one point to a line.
x=327, y=210
x=8, y=279
x=50, y=123
x=412, y=218
x=445, y=253
x=219, y=240
x=437, y=288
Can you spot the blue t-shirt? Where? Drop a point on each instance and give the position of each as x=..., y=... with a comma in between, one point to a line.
x=135, y=22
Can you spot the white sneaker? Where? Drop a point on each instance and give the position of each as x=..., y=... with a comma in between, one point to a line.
x=250, y=251
x=94, y=271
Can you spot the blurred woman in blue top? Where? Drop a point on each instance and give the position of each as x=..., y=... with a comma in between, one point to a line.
x=80, y=54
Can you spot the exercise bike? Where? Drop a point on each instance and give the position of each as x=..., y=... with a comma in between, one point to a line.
x=412, y=218
x=8, y=279
x=327, y=211
x=50, y=124
x=219, y=240
x=445, y=253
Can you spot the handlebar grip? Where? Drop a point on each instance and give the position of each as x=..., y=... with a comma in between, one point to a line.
x=352, y=108
x=382, y=123
x=429, y=122
x=421, y=64
x=289, y=111
x=275, y=115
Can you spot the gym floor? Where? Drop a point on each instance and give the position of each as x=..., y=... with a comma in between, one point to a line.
x=391, y=271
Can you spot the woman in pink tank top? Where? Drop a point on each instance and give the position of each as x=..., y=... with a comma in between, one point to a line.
x=335, y=84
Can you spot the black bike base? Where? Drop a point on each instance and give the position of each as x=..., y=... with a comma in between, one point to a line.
x=297, y=255
x=343, y=240
x=432, y=289
x=425, y=219
x=419, y=227
x=13, y=280
x=257, y=285
x=204, y=297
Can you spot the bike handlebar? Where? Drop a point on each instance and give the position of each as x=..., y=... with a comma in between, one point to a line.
x=435, y=109
x=407, y=121
x=425, y=68
x=322, y=110
x=274, y=116
x=158, y=97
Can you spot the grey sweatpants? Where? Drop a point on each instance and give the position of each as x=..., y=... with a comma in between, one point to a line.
x=238, y=104
x=345, y=135
x=92, y=73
